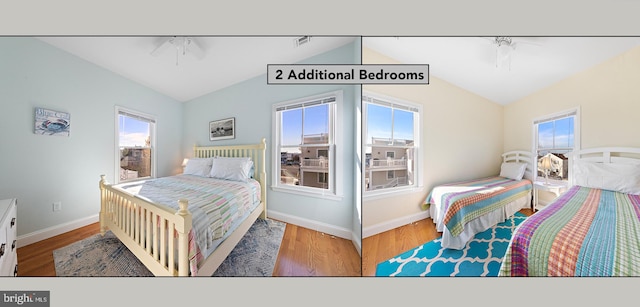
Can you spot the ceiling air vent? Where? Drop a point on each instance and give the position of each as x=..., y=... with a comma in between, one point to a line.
x=299, y=41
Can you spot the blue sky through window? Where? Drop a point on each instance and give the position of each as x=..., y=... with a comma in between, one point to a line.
x=385, y=122
x=133, y=132
x=403, y=125
x=556, y=134
x=379, y=122
x=316, y=121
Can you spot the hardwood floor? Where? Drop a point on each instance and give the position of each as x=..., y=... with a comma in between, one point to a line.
x=306, y=252
x=303, y=252
x=380, y=247
x=36, y=259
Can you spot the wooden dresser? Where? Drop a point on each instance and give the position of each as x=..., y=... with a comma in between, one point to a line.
x=8, y=255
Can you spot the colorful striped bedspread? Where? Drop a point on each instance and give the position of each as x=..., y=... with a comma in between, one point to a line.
x=215, y=206
x=584, y=232
x=462, y=202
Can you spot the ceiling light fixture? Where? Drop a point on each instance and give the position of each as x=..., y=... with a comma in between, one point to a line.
x=183, y=46
x=504, y=51
x=180, y=43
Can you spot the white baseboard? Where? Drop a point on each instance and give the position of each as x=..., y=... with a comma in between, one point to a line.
x=395, y=223
x=313, y=225
x=357, y=243
x=53, y=231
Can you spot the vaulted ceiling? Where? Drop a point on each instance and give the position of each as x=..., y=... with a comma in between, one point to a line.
x=470, y=62
x=218, y=62
x=467, y=62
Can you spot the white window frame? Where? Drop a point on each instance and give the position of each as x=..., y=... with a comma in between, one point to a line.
x=576, y=137
x=335, y=190
x=417, y=151
x=152, y=131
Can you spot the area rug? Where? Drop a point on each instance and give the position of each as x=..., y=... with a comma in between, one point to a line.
x=255, y=255
x=481, y=256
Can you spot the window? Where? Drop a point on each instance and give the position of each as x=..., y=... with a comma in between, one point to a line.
x=323, y=153
x=555, y=136
x=135, y=140
x=391, y=130
x=391, y=174
x=305, y=142
x=322, y=178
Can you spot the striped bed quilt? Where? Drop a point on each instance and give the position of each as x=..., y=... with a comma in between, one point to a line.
x=584, y=232
x=216, y=206
x=461, y=202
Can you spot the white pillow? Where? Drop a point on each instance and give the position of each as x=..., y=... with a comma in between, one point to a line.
x=237, y=169
x=513, y=170
x=198, y=167
x=624, y=178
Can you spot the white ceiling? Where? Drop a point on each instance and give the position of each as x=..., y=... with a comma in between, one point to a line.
x=227, y=60
x=469, y=62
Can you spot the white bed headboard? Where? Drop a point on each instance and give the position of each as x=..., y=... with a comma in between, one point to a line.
x=606, y=155
x=521, y=156
x=257, y=152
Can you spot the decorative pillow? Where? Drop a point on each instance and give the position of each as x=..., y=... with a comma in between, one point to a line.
x=237, y=169
x=624, y=178
x=198, y=167
x=513, y=170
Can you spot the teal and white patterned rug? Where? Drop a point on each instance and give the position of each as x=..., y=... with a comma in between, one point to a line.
x=482, y=256
x=255, y=255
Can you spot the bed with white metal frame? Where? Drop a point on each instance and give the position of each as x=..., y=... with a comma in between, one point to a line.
x=592, y=228
x=143, y=225
x=494, y=217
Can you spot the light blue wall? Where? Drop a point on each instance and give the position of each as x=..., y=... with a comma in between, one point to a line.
x=250, y=103
x=39, y=170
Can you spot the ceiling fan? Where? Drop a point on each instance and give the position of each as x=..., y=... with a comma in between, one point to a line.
x=505, y=49
x=182, y=45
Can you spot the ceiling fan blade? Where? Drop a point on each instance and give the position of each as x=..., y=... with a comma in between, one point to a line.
x=530, y=41
x=195, y=49
x=163, y=45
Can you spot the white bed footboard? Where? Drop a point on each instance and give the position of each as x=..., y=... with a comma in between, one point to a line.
x=148, y=230
x=159, y=235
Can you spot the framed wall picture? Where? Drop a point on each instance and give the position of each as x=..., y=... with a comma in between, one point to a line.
x=222, y=129
x=49, y=122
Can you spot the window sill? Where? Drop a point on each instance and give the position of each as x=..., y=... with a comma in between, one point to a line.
x=135, y=180
x=308, y=192
x=386, y=193
x=564, y=183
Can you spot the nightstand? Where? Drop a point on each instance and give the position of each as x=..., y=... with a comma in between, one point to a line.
x=554, y=188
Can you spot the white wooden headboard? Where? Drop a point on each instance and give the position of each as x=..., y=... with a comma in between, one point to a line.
x=618, y=155
x=257, y=152
x=522, y=157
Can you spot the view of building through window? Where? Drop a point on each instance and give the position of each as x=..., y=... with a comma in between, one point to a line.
x=555, y=140
x=305, y=146
x=135, y=147
x=389, y=146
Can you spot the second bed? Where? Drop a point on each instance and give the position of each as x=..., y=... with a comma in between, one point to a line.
x=460, y=210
